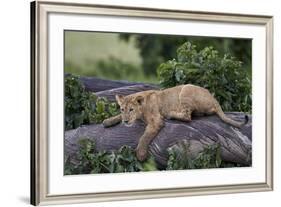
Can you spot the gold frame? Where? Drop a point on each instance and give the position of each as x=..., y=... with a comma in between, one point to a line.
x=39, y=99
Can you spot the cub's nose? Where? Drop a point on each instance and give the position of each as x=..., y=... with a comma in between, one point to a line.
x=126, y=121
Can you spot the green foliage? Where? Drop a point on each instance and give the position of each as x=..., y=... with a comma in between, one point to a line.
x=83, y=107
x=179, y=157
x=124, y=159
x=117, y=69
x=91, y=161
x=111, y=68
x=155, y=49
x=223, y=76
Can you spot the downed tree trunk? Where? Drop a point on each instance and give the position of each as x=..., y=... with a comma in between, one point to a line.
x=126, y=90
x=94, y=84
x=236, y=144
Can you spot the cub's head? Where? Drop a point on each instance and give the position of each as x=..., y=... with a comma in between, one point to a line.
x=130, y=107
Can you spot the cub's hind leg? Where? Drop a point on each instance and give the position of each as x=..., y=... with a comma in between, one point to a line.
x=183, y=115
x=185, y=108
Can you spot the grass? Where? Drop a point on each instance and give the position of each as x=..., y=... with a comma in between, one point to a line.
x=103, y=55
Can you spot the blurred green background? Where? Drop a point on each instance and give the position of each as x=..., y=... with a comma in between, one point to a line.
x=135, y=57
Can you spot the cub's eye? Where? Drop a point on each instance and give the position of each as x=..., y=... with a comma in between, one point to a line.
x=131, y=109
x=122, y=109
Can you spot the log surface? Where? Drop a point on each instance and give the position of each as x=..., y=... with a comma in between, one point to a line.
x=94, y=84
x=125, y=90
x=236, y=144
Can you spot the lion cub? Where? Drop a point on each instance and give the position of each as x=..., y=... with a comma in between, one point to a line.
x=154, y=106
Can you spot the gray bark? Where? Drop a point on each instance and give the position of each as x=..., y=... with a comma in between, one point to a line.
x=97, y=84
x=126, y=90
x=236, y=144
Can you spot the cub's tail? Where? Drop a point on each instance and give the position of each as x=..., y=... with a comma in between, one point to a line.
x=227, y=120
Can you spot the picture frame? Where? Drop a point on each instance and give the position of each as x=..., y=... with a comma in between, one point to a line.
x=42, y=129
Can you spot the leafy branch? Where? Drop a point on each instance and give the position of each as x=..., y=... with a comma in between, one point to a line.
x=84, y=107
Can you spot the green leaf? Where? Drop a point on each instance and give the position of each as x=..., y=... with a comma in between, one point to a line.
x=83, y=107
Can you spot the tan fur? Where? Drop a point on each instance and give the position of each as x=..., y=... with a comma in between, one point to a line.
x=173, y=103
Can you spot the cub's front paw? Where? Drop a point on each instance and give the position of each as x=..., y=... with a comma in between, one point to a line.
x=141, y=153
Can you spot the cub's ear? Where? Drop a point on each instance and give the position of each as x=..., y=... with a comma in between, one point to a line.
x=119, y=99
x=139, y=100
